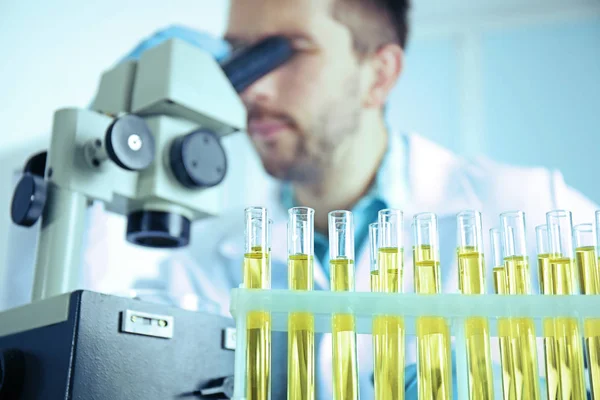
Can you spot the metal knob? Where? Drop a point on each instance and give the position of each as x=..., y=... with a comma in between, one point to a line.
x=29, y=197
x=198, y=160
x=130, y=144
x=28, y=200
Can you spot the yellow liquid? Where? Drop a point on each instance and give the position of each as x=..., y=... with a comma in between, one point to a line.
x=345, y=367
x=567, y=342
x=587, y=265
x=592, y=341
x=375, y=282
x=471, y=269
x=506, y=358
x=569, y=353
x=519, y=359
x=388, y=343
x=257, y=274
x=546, y=288
x=500, y=286
x=433, y=333
x=589, y=276
x=544, y=273
x=388, y=331
x=301, y=333
x=258, y=356
x=517, y=275
x=510, y=373
x=518, y=335
x=434, y=363
x=391, y=260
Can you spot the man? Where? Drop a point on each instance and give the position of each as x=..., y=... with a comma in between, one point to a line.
x=318, y=125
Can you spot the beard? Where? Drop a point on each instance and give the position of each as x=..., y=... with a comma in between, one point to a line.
x=316, y=146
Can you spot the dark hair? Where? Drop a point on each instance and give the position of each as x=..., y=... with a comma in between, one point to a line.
x=374, y=23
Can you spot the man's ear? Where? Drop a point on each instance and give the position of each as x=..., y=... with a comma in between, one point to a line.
x=386, y=64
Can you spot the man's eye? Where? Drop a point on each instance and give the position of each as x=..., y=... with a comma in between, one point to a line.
x=303, y=45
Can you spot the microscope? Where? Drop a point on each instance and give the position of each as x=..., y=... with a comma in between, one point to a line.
x=149, y=149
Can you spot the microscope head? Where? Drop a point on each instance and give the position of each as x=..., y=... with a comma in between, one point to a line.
x=184, y=103
x=150, y=147
x=173, y=79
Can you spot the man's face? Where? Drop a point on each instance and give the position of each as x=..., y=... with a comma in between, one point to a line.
x=299, y=114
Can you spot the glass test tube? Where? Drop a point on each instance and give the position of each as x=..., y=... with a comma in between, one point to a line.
x=585, y=252
x=567, y=339
x=301, y=325
x=471, y=271
x=374, y=255
x=543, y=254
x=500, y=287
x=586, y=260
x=433, y=333
x=391, y=250
x=545, y=278
x=257, y=275
x=388, y=330
x=341, y=264
x=498, y=269
x=519, y=333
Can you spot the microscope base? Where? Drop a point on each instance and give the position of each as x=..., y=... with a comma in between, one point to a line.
x=91, y=346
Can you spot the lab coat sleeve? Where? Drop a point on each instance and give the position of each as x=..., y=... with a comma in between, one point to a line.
x=567, y=198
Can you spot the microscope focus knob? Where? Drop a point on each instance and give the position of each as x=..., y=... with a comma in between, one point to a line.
x=28, y=200
x=12, y=374
x=219, y=389
x=198, y=159
x=129, y=143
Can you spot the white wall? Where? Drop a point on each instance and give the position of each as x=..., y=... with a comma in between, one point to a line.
x=518, y=81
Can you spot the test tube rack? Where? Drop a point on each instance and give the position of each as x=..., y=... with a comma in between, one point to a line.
x=455, y=308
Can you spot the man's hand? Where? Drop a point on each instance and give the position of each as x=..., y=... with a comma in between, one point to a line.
x=219, y=48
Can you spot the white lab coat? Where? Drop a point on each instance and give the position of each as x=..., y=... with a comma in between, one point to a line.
x=439, y=182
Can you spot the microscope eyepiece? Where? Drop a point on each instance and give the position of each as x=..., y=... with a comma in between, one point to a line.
x=251, y=64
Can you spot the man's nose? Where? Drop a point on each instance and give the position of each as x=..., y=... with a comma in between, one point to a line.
x=261, y=91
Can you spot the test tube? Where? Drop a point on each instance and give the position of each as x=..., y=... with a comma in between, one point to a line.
x=374, y=255
x=388, y=330
x=434, y=362
x=471, y=267
x=585, y=244
x=426, y=254
x=498, y=269
x=586, y=260
x=504, y=324
x=341, y=264
x=518, y=276
x=545, y=277
x=391, y=250
x=568, y=346
x=519, y=333
x=257, y=275
x=543, y=255
x=301, y=325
